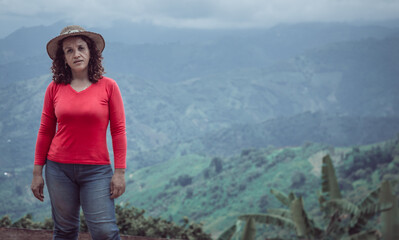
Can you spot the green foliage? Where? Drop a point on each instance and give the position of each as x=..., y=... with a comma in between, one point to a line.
x=352, y=219
x=239, y=188
x=5, y=221
x=263, y=203
x=361, y=163
x=330, y=188
x=269, y=219
x=344, y=206
x=218, y=200
x=284, y=199
x=390, y=218
x=249, y=230
x=365, y=235
x=370, y=199
x=228, y=233
x=298, y=179
x=217, y=164
x=300, y=218
x=27, y=223
x=82, y=223
x=215, y=167
x=47, y=224
x=130, y=221
x=346, y=220
x=285, y=213
x=184, y=180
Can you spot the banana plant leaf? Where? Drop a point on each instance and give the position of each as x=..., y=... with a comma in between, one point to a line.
x=284, y=199
x=344, y=206
x=228, y=234
x=335, y=227
x=285, y=213
x=300, y=218
x=365, y=235
x=270, y=219
x=249, y=230
x=329, y=187
x=370, y=199
x=292, y=196
x=390, y=218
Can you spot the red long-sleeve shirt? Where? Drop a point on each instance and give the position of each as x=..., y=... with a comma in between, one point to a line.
x=74, y=124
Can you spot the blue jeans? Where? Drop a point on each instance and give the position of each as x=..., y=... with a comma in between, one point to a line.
x=73, y=185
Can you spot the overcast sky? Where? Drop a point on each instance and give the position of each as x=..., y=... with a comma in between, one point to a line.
x=191, y=13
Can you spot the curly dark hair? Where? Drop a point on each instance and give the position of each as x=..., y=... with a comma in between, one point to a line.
x=62, y=72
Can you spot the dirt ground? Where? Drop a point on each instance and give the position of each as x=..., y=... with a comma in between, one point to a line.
x=27, y=234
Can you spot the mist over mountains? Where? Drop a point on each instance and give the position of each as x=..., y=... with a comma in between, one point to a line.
x=213, y=92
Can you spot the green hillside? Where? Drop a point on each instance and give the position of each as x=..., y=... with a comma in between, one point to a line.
x=325, y=128
x=215, y=190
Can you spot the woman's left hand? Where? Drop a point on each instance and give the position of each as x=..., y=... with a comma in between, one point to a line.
x=118, y=184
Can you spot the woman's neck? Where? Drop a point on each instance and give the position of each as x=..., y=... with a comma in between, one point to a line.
x=80, y=76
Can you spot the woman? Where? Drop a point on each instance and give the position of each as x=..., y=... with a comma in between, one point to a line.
x=78, y=105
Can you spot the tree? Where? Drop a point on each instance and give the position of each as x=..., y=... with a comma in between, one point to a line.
x=217, y=164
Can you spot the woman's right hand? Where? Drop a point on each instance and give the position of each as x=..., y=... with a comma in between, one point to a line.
x=37, y=182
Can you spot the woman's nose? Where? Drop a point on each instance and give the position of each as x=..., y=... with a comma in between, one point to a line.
x=76, y=54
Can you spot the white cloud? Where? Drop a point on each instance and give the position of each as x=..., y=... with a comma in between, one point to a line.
x=196, y=13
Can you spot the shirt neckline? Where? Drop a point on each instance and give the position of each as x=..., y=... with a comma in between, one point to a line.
x=77, y=92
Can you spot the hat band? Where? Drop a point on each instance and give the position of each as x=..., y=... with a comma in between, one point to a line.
x=72, y=31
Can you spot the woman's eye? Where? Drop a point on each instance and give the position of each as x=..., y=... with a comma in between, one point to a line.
x=81, y=48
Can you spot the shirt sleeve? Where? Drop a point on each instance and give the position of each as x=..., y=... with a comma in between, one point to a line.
x=48, y=124
x=118, y=127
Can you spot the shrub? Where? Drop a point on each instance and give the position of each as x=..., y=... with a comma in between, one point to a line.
x=298, y=179
x=5, y=221
x=131, y=221
x=184, y=180
x=217, y=164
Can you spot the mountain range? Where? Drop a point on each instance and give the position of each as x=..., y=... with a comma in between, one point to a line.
x=230, y=84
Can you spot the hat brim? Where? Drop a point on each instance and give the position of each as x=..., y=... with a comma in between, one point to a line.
x=52, y=45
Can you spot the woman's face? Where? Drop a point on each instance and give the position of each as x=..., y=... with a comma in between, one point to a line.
x=77, y=54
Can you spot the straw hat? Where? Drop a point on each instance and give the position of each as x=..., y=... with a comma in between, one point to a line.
x=70, y=31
